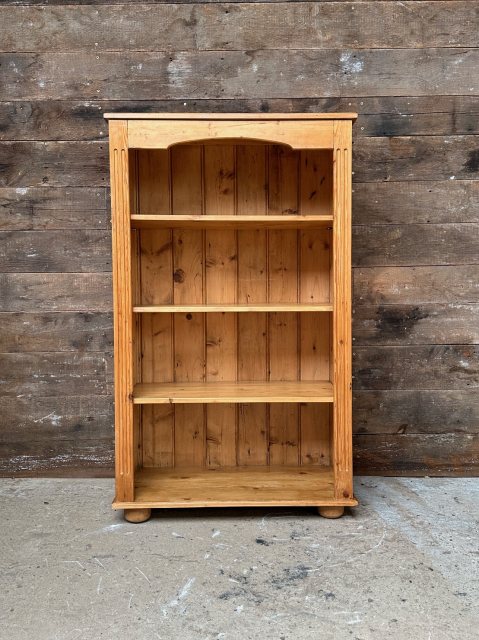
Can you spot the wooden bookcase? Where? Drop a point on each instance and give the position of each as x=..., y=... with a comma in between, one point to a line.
x=232, y=307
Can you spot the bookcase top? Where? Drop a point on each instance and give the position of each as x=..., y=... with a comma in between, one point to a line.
x=231, y=116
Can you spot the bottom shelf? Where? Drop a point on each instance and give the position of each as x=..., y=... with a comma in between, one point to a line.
x=234, y=487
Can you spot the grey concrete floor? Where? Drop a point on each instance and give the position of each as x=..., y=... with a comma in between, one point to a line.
x=404, y=564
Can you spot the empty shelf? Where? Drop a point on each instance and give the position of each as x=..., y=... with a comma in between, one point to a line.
x=234, y=486
x=139, y=221
x=267, y=307
x=232, y=392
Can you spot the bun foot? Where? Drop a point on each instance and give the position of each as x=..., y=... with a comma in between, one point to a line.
x=137, y=515
x=331, y=512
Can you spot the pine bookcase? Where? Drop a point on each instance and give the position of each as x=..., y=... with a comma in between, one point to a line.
x=232, y=310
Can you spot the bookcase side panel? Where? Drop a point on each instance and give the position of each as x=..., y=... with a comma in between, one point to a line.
x=123, y=315
x=342, y=339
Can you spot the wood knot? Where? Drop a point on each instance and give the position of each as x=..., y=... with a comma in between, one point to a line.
x=179, y=275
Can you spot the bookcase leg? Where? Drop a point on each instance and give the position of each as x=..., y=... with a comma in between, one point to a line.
x=137, y=515
x=331, y=512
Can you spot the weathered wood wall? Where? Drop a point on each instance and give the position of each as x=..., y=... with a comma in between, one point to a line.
x=411, y=71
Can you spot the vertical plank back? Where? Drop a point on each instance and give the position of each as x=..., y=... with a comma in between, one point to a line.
x=156, y=273
x=283, y=199
x=188, y=266
x=220, y=287
x=251, y=172
x=314, y=286
x=188, y=288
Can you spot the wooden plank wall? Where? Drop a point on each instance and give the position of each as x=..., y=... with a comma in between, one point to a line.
x=410, y=70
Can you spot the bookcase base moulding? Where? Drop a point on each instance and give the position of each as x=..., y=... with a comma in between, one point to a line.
x=232, y=310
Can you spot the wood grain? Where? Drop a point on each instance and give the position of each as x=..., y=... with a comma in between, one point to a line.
x=37, y=251
x=55, y=164
x=424, y=202
x=452, y=454
x=123, y=328
x=74, y=331
x=416, y=244
x=237, y=392
x=409, y=324
x=58, y=458
x=254, y=26
x=341, y=440
x=416, y=411
x=416, y=367
x=55, y=292
x=221, y=259
x=240, y=221
x=204, y=74
x=298, y=134
x=39, y=208
x=247, y=486
x=55, y=374
x=416, y=285
x=53, y=418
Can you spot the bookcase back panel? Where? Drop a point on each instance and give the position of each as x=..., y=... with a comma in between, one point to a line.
x=188, y=266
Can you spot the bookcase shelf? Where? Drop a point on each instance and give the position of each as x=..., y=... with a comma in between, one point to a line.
x=232, y=392
x=264, y=486
x=153, y=221
x=267, y=307
x=232, y=311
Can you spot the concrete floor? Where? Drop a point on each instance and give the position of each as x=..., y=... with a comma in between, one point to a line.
x=404, y=564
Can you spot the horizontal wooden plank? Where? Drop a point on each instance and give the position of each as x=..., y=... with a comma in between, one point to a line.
x=416, y=285
x=416, y=367
x=268, y=307
x=400, y=411
x=39, y=208
x=290, y=120
x=55, y=292
x=58, y=164
x=233, y=486
x=232, y=392
x=55, y=374
x=416, y=324
x=415, y=244
x=155, y=133
x=416, y=158
x=54, y=419
x=138, y=2
x=243, y=74
x=55, y=251
x=141, y=221
x=58, y=458
x=160, y=27
x=84, y=164
x=378, y=116
x=417, y=455
x=74, y=331
x=416, y=202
